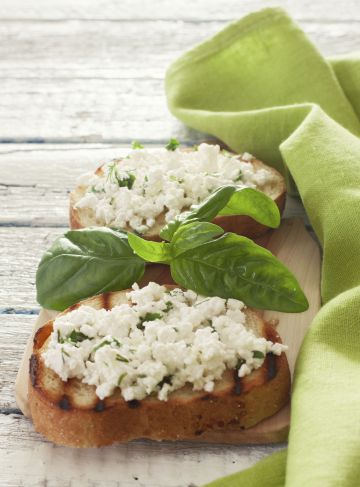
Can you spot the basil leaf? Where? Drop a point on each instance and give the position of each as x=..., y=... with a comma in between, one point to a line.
x=149, y=250
x=258, y=354
x=233, y=266
x=83, y=263
x=206, y=211
x=255, y=204
x=191, y=235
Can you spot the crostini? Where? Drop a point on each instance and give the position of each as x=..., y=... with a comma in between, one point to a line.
x=156, y=362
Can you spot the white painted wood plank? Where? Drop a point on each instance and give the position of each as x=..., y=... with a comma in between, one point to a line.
x=103, y=49
x=14, y=332
x=69, y=80
x=21, y=250
x=111, y=49
x=27, y=460
x=176, y=9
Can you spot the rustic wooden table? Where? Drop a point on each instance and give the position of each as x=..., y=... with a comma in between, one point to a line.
x=78, y=80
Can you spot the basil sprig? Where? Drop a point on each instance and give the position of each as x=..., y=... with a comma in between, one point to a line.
x=201, y=257
x=231, y=266
x=228, y=200
x=82, y=263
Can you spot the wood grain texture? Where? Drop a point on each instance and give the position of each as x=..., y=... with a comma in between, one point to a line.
x=164, y=9
x=102, y=81
x=22, y=249
x=27, y=460
x=15, y=331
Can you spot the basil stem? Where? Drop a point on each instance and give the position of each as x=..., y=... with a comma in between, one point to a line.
x=149, y=250
x=206, y=211
x=228, y=200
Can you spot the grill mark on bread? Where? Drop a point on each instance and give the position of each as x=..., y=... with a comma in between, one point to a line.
x=271, y=366
x=133, y=404
x=42, y=334
x=33, y=367
x=106, y=301
x=99, y=407
x=207, y=397
x=64, y=403
x=237, y=383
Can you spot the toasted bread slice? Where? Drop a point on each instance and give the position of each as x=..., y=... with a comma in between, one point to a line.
x=244, y=225
x=69, y=413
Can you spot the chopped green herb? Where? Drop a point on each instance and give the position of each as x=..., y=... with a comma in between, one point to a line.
x=146, y=179
x=169, y=306
x=201, y=302
x=127, y=182
x=166, y=380
x=117, y=342
x=227, y=153
x=111, y=170
x=77, y=336
x=174, y=178
x=240, y=362
x=65, y=352
x=258, y=354
x=94, y=190
x=120, y=358
x=59, y=337
x=135, y=144
x=148, y=317
x=239, y=177
x=102, y=344
x=175, y=292
x=172, y=145
x=122, y=376
x=123, y=181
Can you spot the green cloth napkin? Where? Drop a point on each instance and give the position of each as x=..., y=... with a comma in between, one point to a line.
x=262, y=87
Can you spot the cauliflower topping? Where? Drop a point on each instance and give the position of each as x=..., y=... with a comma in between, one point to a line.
x=135, y=191
x=156, y=343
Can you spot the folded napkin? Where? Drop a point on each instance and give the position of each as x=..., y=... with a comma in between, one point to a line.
x=262, y=87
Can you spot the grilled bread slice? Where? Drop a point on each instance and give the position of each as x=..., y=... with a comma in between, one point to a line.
x=69, y=413
x=244, y=225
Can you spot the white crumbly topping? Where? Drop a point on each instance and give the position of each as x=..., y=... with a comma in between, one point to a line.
x=160, y=342
x=133, y=192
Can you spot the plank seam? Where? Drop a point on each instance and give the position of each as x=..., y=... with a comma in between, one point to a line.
x=34, y=20
x=9, y=411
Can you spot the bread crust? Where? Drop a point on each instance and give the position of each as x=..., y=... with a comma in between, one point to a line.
x=243, y=225
x=69, y=413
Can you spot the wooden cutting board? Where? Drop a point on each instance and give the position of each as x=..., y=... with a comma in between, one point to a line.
x=294, y=246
